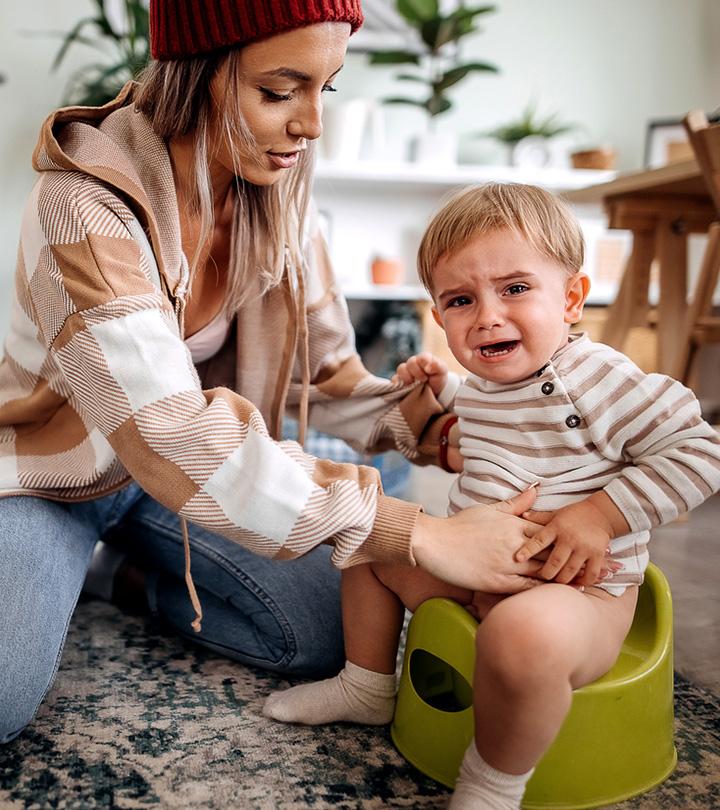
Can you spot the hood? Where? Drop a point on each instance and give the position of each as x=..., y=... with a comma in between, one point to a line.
x=116, y=145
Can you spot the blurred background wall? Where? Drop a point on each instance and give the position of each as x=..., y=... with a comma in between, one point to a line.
x=609, y=66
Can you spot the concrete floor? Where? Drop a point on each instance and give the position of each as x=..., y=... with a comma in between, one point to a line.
x=687, y=551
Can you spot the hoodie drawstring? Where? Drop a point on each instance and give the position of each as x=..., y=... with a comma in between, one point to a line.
x=304, y=360
x=196, y=623
x=303, y=341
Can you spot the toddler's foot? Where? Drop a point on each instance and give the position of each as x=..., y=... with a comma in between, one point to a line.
x=355, y=695
x=481, y=787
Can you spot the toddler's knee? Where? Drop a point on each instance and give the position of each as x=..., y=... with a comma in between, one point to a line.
x=520, y=652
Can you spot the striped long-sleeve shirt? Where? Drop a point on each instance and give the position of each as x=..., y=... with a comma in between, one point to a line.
x=590, y=420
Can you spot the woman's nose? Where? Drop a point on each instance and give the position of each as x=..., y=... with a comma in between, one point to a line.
x=308, y=124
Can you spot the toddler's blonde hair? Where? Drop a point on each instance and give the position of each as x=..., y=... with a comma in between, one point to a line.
x=547, y=223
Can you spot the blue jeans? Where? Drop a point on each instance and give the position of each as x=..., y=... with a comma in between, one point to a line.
x=281, y=616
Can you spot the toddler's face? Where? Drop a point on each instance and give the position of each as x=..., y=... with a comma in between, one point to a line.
x=505, y=308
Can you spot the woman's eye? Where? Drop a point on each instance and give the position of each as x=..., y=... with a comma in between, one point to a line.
x=328, y=88
x=516, y=289
x=271, y=95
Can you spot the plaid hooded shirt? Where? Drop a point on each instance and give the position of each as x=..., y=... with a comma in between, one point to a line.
x=97, y=386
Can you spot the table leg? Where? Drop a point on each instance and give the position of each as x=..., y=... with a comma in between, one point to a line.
x=700, y=304
x=630, y=307
x=672, y=306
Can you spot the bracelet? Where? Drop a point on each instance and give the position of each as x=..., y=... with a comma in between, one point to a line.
x=444, y=443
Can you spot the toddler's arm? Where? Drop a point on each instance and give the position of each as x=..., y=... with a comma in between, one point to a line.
x=426, y=367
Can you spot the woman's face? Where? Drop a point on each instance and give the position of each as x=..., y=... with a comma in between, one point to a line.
x=281, y=84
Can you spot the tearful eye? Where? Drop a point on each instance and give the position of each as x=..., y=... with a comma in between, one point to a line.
x=516, y=289
x=459, y=301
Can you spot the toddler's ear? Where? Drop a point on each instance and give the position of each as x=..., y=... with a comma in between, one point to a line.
x=576, y=291
x=438, y=319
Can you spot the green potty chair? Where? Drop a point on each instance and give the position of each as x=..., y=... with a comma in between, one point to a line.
x=616, y=742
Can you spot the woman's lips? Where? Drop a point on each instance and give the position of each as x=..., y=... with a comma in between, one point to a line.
x=284, y=160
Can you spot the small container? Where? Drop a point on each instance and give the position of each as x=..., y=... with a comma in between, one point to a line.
x=600, y=158
x=386, y=271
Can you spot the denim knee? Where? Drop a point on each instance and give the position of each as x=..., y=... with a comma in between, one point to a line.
x=18, y=707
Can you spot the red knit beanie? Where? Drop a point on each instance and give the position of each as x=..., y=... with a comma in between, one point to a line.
x=182, y=28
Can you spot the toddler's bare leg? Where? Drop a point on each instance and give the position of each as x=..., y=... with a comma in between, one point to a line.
x=374, y=599
x=533, y=649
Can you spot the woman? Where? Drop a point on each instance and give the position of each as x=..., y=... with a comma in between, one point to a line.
x=173, y=301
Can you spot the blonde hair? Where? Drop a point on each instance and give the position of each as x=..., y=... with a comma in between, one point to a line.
x=543, y=219
x=268, y=221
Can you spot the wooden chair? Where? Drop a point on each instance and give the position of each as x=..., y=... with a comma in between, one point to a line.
x=701, y=325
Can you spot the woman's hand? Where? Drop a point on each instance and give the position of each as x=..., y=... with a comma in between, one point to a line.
x=475, y=548
x=578, y=536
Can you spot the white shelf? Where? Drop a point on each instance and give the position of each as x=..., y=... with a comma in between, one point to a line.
x=412, y=174
x=385, y=292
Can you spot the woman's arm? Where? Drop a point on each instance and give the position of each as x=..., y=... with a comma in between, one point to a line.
x=122, y=377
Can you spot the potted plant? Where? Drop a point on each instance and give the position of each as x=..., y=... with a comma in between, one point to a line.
x=526, y=137
x=127, y=45
x=436, y=56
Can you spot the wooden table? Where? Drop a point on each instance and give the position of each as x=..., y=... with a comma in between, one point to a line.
x=661, y=207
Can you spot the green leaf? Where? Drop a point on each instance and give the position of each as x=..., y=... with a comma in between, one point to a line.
x=530, y=124
x=471, y=13
x=455, y=75
x=394, y=58
x=437, y=104
x=446, y=32
x=461, y=21
x=398, y=100
x=417, y=11
x=408, y=77
x=98, y=83
x=429, y=32
x=72, y=36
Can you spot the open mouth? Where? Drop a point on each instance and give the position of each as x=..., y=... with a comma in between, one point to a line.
x=284, y=160
x=499, y=349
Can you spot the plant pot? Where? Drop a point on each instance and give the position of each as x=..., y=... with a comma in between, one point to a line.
x=602, y=158
x=531, y=152
x=386, y=271
x=434, y=148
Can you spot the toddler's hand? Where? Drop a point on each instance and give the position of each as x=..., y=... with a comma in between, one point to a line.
x=579, y=535
x=424, y=367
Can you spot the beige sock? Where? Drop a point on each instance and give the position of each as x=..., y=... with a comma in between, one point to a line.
x=355, y=695
x=482, y=787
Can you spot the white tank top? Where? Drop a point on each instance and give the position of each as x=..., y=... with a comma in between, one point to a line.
x=207, y=341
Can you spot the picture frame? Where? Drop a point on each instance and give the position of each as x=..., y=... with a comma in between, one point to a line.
x=666, y=141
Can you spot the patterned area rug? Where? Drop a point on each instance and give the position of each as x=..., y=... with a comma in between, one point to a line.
x=140, y=720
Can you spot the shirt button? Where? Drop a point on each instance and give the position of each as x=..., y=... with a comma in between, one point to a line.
x=547, y=388
x=573, y=420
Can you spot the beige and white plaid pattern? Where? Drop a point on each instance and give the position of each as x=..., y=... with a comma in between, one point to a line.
x=97, y=385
